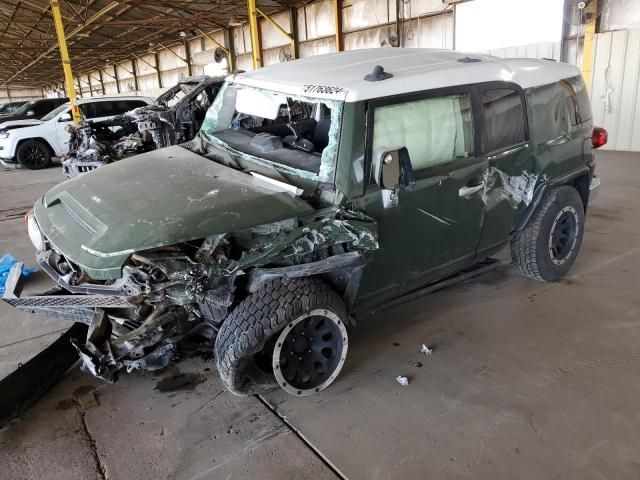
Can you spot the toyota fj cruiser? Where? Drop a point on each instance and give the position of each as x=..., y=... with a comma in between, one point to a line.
x=317, y=189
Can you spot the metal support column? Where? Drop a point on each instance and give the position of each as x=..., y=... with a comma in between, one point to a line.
x=90, y=86
x=590, y=13
x=158, y=74
x=66, y=62
x=101, y=82
x=79, y=87
x=187, y=57
x=337, y=6
x=231, y=56
x=134, y=71
x=291, y=38
x=116, y=77
x=256, y=43
x=295, y=42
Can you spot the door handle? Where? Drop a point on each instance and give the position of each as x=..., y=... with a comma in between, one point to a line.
x=466, y=191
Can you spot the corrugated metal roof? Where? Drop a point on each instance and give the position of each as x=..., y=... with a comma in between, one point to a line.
x=102, y=32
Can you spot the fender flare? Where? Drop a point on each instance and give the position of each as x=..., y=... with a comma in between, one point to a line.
x=540, y=191
x=349, y=264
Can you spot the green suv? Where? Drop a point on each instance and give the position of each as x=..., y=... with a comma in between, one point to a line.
x=317, y=189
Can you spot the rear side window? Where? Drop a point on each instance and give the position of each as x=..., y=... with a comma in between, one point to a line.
x=131, y=104
x=557, y=108
x=88, y=110
x=434, y=130
x=43, y=107
x=504, y=118
x=128, y=105
x=104, y=109
x=577, y=100
x=550, y=114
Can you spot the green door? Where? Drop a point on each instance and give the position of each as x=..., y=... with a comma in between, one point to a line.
x=510, y=180
x=432, y=229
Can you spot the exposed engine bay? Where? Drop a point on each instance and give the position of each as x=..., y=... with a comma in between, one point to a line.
x=175, y=118
x=184, y=292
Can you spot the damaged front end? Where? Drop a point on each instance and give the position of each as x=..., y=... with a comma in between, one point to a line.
x=174, y=118
x=184, y=291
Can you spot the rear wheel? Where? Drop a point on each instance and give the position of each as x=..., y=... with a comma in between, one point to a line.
x=289, y=333
x=547, y=247
x=34, y=155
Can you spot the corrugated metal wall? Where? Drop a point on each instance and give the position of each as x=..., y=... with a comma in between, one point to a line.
x=536, y=50
x=16, y=94
x=616, y=86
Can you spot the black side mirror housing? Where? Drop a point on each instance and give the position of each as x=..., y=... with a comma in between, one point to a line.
x=393, y=169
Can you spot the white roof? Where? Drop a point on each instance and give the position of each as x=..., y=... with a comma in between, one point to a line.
x=341, y=75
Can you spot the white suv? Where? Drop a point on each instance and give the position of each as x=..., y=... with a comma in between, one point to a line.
x=33, y=143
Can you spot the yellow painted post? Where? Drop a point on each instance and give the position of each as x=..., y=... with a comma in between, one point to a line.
x=256, y=44
x=589, y=40
x=66, y=62
x=281, y=30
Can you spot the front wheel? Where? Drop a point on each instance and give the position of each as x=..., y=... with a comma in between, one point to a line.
x=34, y=155
x=289, y=333
x=547, y=247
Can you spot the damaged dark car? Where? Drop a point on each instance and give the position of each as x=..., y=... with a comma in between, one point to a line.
x=314, y=191
x=174, y=118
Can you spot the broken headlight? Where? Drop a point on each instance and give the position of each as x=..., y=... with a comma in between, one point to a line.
x=34, y=232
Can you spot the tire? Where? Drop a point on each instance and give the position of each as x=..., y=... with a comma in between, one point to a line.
x=247, y=339
x=547, y=247
x=34, y=155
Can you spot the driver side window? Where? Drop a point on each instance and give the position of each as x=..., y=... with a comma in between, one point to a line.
x=435, y=130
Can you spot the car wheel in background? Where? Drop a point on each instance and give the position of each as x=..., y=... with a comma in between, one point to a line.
x=34, y=155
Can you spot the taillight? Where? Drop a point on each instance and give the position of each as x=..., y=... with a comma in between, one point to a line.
x=599, y=137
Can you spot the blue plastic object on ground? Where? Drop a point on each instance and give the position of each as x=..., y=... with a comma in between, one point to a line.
x=6, y=264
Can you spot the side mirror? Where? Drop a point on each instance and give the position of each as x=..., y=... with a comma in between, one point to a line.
x=65, y=117
x=393, y=169
x=30, y=113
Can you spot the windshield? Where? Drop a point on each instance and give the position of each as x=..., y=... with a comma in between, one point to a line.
x=24, y=108
x=10, y=107
x=293, y=133
x=55, y=112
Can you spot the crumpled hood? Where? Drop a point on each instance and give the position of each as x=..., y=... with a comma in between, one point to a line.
x=9, y=125
x=159, y=198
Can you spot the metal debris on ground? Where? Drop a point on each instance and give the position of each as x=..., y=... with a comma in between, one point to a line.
x=404, y=381
x=426, y=350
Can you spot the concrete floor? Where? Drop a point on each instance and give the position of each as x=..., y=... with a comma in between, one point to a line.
x=527, y=380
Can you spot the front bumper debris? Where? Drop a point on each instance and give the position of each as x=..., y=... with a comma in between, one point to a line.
x=72, y=167
x=54, y=303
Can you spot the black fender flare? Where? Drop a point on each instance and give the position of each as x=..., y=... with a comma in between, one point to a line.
x=540, y=191
x=350, y=264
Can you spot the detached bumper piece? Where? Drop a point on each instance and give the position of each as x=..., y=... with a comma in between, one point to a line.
x=54, y=303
